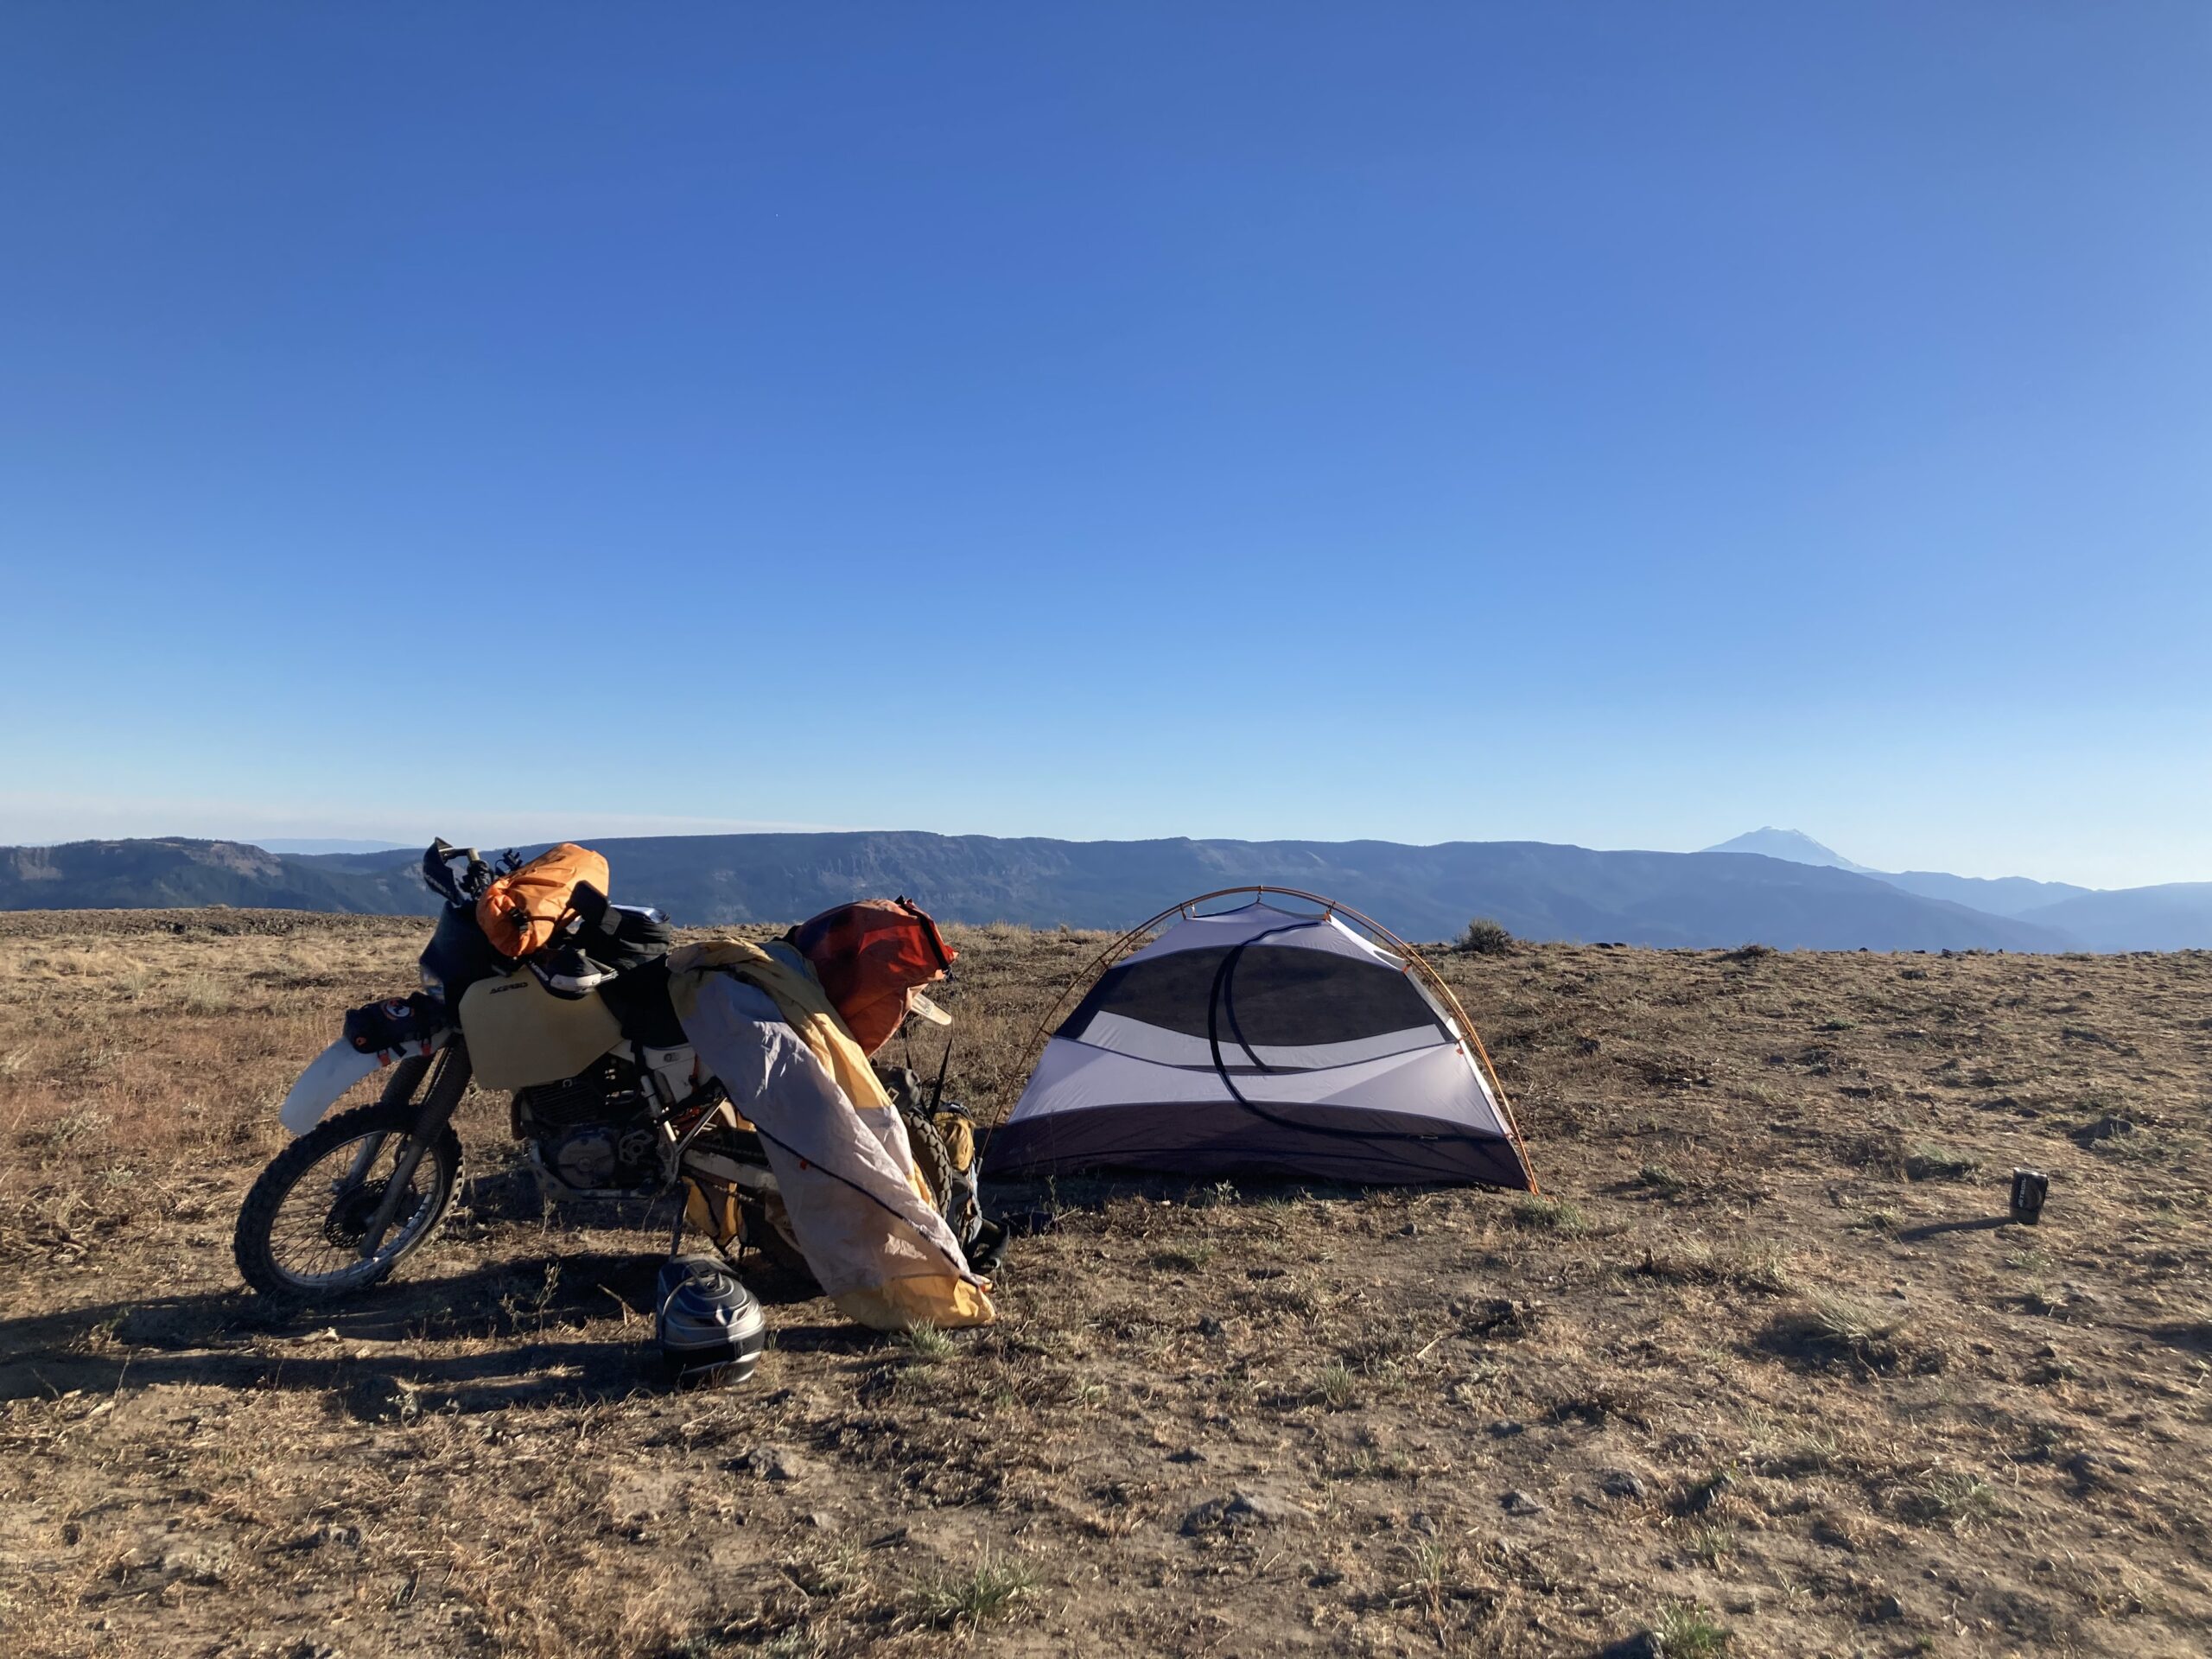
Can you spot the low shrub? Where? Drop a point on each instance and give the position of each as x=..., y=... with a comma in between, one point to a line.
x=1484, y=938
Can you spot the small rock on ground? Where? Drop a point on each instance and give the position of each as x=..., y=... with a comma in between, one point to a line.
x=1704, y=1496
x=1240, y=1509
x=777, y=1463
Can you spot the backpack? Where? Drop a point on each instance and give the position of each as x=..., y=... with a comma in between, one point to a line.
x=942, y=1141
x=521, y=912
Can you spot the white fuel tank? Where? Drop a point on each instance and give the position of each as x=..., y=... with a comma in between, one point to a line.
x=520, y=1034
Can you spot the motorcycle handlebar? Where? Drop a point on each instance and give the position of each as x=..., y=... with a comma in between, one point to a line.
x=437, y=871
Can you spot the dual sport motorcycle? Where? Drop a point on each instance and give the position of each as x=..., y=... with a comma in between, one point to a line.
x=609, y=1100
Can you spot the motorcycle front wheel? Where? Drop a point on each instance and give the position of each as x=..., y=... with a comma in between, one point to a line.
x=303, y=1231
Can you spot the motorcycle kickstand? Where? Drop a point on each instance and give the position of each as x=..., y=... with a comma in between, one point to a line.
x=674, y=1165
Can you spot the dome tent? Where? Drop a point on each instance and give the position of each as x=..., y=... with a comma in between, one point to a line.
x=1265, y=1040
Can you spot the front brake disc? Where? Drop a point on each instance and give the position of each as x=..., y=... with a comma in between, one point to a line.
x=347, y=1223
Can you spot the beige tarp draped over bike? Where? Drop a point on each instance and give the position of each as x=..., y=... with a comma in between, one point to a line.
x=860, y=1210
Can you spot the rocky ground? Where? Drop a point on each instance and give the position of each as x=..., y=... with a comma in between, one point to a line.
x=1762, y=1372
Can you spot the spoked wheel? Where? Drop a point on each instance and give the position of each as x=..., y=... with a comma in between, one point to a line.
x=323, y=1219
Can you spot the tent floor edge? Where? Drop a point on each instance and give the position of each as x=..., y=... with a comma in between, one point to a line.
x=1213, y=1142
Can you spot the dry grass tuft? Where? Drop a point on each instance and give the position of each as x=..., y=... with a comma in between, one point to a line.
x=1952, y=1498
x=1843, y=1320
x=989, y=1591
x=1484, y=938
x=1689, y=1632
x=1541, y=1213
x=1926, y=1163
x=928, y=1344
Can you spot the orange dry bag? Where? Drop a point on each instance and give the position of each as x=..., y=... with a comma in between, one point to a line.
x=520, y=911
x=867, y=956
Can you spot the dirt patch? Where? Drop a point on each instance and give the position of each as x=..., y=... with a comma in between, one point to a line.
x=1764, y=1360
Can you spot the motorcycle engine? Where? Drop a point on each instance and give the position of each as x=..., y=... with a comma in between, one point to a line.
x=591, y=1132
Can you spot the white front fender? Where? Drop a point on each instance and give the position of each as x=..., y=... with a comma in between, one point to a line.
x=328, y=1077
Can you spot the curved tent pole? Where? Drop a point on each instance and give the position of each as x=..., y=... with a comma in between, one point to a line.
x=1107, y=957
x=1085, y=975
x=1435, y=981
x=1415, y=963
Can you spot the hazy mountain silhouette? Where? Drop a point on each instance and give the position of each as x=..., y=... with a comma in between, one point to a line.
x=2177, y=916
x=1794, y=846
x=314, y=846
x=2174, y=917
x=157, y=875
x=1538, y=890
x=2004, y=895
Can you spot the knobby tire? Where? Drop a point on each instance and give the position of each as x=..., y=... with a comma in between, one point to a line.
x=394, y=1115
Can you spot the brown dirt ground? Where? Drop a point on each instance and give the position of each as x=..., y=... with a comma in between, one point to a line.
x=1766, y=1303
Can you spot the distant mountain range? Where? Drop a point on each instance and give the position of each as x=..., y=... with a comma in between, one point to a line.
x=2009, y=895
x=317, y=845
x=153, y=874
x=1813, y=898
x=2177, y=916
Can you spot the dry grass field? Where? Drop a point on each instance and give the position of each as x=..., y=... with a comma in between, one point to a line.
x=1761, y=1374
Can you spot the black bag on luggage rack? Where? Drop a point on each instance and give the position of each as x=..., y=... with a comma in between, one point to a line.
x=621, y=936
x=618, y=951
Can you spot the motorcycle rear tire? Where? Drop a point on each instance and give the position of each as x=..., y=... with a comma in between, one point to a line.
x=250, y=1245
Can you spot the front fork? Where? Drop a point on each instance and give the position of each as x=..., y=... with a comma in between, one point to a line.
x=438, y=1103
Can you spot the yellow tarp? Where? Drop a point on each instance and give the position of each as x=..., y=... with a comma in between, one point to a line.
x=862, y=1212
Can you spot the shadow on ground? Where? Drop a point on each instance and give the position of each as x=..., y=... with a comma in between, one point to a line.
x=530, y=1329
x=562, y=1327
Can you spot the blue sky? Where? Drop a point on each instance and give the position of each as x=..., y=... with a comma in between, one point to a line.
x=1621, y=424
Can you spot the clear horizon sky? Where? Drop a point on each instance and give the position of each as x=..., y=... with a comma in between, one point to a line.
x=1618, y=424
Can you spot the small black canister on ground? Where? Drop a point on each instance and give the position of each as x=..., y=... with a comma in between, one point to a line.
x=2029, y=1188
